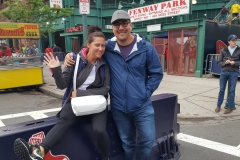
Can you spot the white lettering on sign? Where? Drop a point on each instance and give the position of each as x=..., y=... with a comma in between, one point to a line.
x=160, y=10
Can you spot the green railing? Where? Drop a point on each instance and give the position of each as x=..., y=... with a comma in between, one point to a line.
x=219, y=17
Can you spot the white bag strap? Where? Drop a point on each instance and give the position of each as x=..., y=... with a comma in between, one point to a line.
x=75, y=72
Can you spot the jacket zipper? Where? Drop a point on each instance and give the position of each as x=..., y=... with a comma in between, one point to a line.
x=125, y=108
x=125, y=68
x=230, y=57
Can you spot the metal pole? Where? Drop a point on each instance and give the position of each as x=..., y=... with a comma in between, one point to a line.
x=150, y=36
x=84, y=21
x=226, y=103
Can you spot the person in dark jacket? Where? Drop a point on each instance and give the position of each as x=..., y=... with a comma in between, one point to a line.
x=136, y=73
x=89, y=82
x=229, y=60
x=224, y=11
x=56, y=49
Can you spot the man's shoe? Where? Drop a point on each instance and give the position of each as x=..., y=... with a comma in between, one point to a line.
x=218, y=109
x=232, y=108
x=26, y=151
x=227, y=111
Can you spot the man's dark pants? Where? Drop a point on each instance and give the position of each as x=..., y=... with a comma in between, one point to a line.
x=231, y=78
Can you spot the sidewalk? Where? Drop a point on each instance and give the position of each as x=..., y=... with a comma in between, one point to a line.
x=197, y=96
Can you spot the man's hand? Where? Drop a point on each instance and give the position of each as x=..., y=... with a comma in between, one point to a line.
x=228, y=62
x=232, y=62
x=74, y=94
x=69, y=60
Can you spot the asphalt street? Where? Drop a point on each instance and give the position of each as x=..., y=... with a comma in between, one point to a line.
x=19, y=105
x=16, y=102
x=223, y=132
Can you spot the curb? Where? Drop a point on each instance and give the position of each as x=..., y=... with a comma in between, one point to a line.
x=57, y=93
x=205, y=119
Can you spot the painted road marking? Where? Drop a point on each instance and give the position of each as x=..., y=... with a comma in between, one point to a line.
x=37, y=115
x=238, y=146
x=235, y=151
x=1, y=124
x=34, y=114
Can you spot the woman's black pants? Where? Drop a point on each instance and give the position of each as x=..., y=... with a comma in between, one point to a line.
x=67, y=119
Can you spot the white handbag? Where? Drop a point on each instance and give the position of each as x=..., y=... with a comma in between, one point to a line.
x=86, y=105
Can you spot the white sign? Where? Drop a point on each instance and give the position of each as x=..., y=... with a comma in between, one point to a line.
x=155, y=27
x=84, y=6
x=56, y=3
x=108, y=26
x=160, y=10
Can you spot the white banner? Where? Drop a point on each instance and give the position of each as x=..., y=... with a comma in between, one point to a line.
x=84, y=6
x=56, y=3
x=155, y=27
x=108, y=26
x=160, y=10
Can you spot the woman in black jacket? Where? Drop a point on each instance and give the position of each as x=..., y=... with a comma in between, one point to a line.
x=90, y=81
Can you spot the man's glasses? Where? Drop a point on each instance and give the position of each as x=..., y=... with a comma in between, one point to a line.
x=124, y=24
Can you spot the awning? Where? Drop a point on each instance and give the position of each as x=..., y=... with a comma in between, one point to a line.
x=71, y=34
x=162, y=35
x=165, y=34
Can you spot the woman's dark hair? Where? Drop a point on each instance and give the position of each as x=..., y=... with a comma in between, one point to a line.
x=94, y=31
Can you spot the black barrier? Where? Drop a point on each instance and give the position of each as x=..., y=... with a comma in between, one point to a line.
x=166, y=109
x=77, y=144
x=216, y=68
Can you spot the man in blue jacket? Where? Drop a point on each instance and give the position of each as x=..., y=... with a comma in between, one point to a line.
x=136, y=72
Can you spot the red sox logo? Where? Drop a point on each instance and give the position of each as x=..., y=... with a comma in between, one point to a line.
x=37, y=139
x=219, y=46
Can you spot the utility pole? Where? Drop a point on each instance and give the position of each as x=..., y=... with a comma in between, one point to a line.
x=84, y=9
